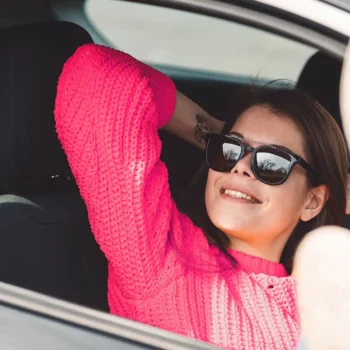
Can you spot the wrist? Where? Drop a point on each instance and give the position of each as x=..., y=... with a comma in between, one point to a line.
x=191, y=122
x=205, y=123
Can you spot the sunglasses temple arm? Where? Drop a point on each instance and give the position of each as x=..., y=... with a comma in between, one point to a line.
x=306, y=166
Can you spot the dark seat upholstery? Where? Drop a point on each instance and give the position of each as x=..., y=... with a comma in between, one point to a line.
x=320, y=78
x=45, y=240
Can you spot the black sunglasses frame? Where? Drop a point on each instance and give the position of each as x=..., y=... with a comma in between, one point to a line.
x=295, y=159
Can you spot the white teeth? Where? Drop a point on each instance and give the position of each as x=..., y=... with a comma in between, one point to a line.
x=237, y=194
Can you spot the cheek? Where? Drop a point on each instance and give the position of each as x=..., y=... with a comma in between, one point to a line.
x=209, y=189
x=288, y=199
x=216, y=209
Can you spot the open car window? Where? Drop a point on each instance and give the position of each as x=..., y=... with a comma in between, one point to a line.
x=48, y=323
x=175, y=38
x=162, y=37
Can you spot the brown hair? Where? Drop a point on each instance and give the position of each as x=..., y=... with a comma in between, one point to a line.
x=326, y=152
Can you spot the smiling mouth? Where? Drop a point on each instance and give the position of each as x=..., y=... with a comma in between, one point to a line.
x=239, y=195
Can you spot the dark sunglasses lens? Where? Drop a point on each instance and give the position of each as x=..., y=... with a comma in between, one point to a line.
x=272, y=165
x=222, y=152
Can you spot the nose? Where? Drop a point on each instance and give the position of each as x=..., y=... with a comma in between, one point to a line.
x=243, y=167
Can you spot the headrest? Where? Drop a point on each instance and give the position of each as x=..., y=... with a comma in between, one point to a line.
x=31, y=60
x=320, y=78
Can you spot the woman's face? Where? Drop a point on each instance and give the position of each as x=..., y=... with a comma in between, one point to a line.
x=269, y=222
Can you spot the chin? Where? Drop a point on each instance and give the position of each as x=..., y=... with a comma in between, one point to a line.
x=232, y=225
x=232, y=221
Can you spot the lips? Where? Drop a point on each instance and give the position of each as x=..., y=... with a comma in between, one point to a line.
x=239, y=193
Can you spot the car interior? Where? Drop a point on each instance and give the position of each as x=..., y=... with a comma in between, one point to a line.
x=46, y=244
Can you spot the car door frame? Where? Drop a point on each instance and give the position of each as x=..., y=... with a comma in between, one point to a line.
x=60, y=318
x=263, y=16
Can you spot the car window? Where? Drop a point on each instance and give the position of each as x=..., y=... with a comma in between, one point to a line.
x=37, y=321
x=163, y=36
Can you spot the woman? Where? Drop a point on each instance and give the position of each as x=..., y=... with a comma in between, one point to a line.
x=270, y=173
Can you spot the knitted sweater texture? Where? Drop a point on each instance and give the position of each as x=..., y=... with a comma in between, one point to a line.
x=162, y=270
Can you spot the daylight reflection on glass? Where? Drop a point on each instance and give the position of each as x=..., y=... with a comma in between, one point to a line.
x=270, y=164
x=272, y=167
x=231, y=153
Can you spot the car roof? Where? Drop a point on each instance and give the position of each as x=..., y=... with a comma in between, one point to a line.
x=323, y=12
x=342, y=4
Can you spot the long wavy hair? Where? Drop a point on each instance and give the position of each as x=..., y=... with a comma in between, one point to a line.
x=326, y=152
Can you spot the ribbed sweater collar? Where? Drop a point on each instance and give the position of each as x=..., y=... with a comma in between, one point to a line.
x=253, y=264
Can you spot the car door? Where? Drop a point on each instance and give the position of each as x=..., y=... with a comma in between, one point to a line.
x=33, y=321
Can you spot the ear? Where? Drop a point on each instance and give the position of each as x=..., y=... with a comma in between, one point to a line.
x=315, y=201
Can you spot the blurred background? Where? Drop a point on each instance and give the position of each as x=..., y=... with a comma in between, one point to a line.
x=164, y=36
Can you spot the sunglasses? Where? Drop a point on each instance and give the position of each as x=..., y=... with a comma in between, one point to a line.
x=270, y=164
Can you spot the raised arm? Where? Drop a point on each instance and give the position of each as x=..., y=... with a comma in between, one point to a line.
x=108, y=109
x=191, y=122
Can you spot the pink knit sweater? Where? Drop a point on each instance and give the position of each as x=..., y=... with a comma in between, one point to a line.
x=162, y=271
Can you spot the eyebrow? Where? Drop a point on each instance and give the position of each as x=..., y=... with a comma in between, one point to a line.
x=239, y=135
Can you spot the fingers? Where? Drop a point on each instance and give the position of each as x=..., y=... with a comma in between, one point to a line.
x=322, y=270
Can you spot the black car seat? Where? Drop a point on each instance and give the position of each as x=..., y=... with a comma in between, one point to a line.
x=320, y=78
x=45, y=240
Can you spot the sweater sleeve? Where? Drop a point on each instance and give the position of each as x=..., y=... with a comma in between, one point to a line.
x=109, y=107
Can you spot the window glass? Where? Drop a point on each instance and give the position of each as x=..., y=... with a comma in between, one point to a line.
x=164, y=36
